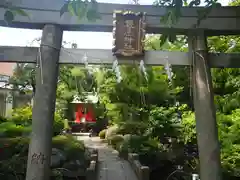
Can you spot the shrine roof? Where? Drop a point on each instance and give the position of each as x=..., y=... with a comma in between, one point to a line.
x=89, y=98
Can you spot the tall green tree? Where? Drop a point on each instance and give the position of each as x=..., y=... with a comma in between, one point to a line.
x=23, y=78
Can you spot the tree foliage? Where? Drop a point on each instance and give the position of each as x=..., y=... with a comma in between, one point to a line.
x=144, y=110
x=23, y=77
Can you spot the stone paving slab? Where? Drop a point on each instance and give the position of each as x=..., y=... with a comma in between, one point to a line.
x=111, y=167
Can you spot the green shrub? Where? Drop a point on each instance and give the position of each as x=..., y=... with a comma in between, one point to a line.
x=9, y=129
x=136, y=143
x=127, y=137
x=58, y=124
x=102, y=134
x=150, y=150
x=113, y=130
x=142, y=144
x=14, y=153
x=123, y=148
x=2, y=119
x=23, y=116
x=13, y=146
x=115, y=140
x=163, y=122
x=7, y=125
x=229, y=135
x=74, y=149
x=132, y=127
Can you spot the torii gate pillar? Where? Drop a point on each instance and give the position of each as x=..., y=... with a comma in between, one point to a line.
x=205, y=113
x=40, y=148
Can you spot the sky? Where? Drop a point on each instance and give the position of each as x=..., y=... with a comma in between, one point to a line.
x=84, y=40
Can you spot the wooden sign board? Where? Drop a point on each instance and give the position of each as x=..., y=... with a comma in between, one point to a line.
x=128, y=34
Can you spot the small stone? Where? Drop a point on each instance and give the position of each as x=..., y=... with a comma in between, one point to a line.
x=57, y=157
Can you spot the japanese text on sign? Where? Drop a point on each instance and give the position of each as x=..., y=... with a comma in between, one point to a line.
x=129, y=33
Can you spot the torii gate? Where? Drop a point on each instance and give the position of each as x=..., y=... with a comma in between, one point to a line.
x=44, y=15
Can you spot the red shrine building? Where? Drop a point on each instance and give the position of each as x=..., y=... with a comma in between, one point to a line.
x=84, y=110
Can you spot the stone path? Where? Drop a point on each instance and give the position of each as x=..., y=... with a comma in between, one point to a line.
x=111, y=167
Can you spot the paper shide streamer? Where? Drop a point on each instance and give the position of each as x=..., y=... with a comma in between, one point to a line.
x=169, y=72
x=143, y=69
x=85, y=61
x=116, y=69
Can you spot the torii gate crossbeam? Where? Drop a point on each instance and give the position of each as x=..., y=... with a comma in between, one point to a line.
x=105, y=57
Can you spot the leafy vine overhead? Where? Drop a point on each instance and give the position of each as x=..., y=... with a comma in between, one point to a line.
x=174, y=13
x=11, y=11
x=89, y=9
x=81, y=9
